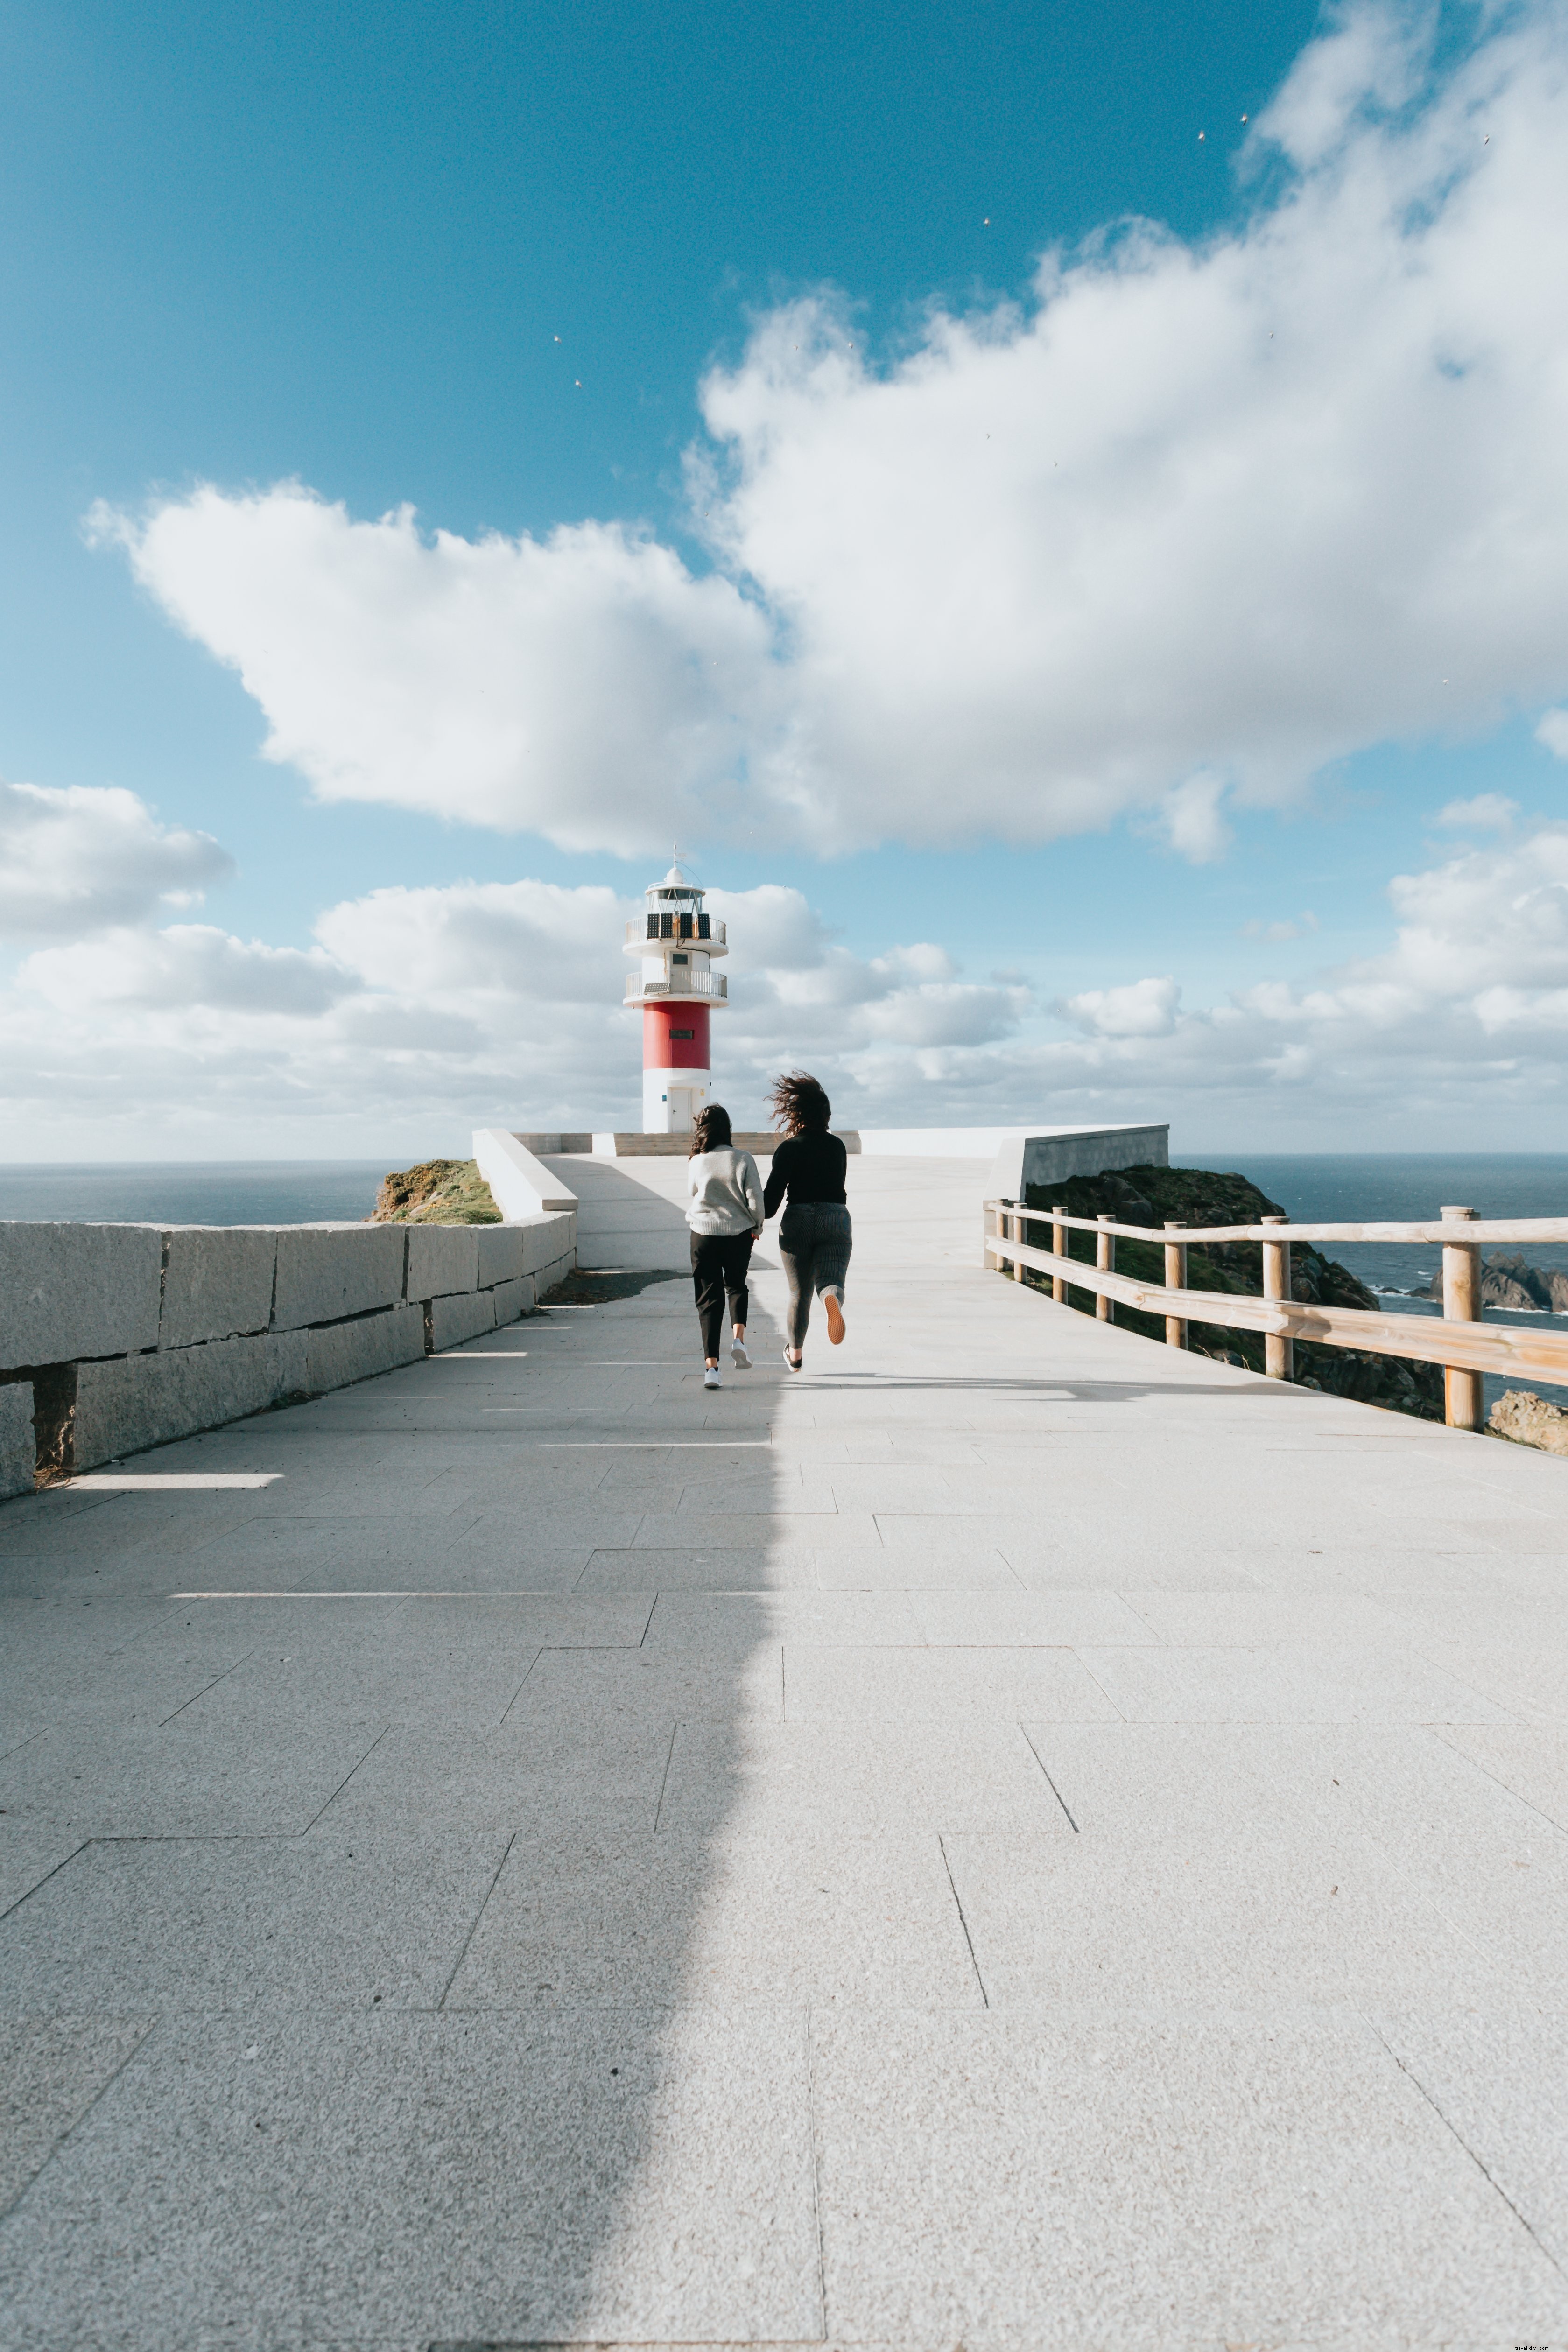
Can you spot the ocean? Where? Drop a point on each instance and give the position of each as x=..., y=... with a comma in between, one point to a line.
x=194, y=1192
x=1351, y=1187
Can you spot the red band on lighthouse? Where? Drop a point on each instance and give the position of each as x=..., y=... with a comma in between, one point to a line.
x=675, y=1038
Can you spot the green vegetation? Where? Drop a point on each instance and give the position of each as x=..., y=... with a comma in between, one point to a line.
x=437, y=1193
x=1201, y=1196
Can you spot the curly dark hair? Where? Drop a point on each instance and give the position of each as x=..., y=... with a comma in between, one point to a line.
x=709, y=1130
x=799, y=1103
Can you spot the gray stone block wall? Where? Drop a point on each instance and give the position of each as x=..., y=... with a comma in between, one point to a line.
x=77, y=1290
x=136, y=1335
x=325, y=1273
x=545, y=1280
x=512, y=1299
x=503, y=1253
x=217, y=1282
x=129, y=1402
x=545, y=1240
x=344, y=1352
x=18, y=1442
x=453, y=1321
x=441, y=1258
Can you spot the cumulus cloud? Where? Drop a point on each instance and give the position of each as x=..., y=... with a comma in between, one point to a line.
x=1142, y=1008
x=1553, y=732
x=1487, y=813
x=1185, y=525
x=466, y=1004
x=584, y=686
x=419, y=1013
x=82, y=859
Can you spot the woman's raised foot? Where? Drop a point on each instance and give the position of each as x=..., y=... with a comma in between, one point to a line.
x=835, y=1314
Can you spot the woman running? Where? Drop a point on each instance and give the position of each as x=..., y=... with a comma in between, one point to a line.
x=814, y=1239
x=724, y=1211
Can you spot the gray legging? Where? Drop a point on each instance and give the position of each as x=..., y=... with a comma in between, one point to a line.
x=815, y=1242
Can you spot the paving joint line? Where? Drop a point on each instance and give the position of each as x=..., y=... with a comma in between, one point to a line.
x=473, y=1931
x=1049, y=1782
x=76, y=2124
x=58, y=1866
x=670, y=1757
x=348, y=1776
x=1487, y=2176
x=963, y=1922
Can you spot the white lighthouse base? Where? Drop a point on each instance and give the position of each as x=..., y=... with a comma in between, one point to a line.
x=673, y=1098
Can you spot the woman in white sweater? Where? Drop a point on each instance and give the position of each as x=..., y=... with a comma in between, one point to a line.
x=724, y=1211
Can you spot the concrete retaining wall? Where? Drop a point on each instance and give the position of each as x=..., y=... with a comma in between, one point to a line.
x=115, y=1338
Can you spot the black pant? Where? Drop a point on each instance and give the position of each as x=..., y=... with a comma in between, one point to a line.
x=719, y=1264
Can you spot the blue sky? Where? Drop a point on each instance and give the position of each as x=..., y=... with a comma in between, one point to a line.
x=334, y=247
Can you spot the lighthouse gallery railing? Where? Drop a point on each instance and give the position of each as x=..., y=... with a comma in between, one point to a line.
x=712, y=985
x=1458, y=1340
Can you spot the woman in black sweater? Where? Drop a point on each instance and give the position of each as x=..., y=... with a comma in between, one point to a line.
x=814, y=1239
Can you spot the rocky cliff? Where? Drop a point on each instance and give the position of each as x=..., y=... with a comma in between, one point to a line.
x=435, y=1193
x=1203, y=1196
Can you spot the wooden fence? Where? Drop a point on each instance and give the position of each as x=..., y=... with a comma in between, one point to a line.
x=1459, y=1340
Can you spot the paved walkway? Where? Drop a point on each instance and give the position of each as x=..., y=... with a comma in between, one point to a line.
x=1014, y=1838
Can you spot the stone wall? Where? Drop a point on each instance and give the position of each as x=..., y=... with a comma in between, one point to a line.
x=114, y=1337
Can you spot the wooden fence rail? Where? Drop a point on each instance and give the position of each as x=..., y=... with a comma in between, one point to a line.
x=1459, y=1340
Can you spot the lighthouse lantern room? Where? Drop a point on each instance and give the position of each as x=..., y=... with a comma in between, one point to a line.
x=675, y=944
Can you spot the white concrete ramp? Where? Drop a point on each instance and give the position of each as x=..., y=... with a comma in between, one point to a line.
x=1013, y=1838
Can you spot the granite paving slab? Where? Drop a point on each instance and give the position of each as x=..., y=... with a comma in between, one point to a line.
x=1155, y=2181
x=52, y=2071
x=266, y=2179
x=806, y=1916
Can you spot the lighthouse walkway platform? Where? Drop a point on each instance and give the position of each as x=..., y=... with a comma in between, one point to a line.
x=1015, y=1837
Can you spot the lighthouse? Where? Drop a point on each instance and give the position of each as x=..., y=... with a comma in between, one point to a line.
x=674, y=944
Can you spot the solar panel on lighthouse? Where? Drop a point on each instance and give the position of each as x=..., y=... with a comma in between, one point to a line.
x=675, y=944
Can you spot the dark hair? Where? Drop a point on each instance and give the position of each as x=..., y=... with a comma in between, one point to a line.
x=799, y=1103
x=709, y=1130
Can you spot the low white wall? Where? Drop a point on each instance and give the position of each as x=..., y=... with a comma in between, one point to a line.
x=115, y=1338
x=522, y=1185
x=1050, y=1154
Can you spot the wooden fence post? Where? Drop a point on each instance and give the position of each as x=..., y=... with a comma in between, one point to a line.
x=1461, y=1304
x=1175, y=1279
x=1278, y=1351
x=1018, y=1235
x=1105, y=1260
x=1059, y=1249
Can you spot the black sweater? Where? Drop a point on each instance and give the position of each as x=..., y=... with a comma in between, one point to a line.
x=807, y=1167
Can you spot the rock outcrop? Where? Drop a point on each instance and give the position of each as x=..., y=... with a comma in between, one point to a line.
x=1511, y=1281
x=1528, y=1419
x=435, y=1193
x=1204, y=1196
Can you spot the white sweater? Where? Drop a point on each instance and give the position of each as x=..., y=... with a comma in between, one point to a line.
x=724, y=1192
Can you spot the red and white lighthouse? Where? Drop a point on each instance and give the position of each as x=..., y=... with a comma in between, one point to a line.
x=675, y=944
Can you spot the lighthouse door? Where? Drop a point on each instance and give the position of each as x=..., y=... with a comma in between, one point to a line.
x=682, y=1109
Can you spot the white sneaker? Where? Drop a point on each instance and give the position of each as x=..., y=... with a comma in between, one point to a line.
x=710, y=1378
x=739, y=1357
x=790, y=1361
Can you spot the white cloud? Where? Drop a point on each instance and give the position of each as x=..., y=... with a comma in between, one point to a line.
x=1189, y=524
x=420, y=1013
x=82, y=859
x=584, y=686
x=1143, y=1008
x=1553, y=732
x=1487, y=813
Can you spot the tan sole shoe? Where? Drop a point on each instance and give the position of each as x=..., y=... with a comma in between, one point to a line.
x=835, y=1314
